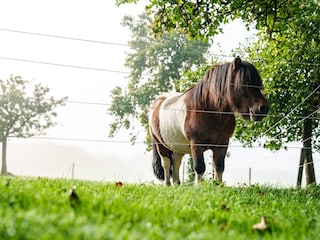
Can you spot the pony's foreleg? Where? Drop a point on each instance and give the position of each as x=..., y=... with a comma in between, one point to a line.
x=217, y=175
x=218, y=162
x=166, y=164
x=176, y=162
x=197, y=178
x=199, y=165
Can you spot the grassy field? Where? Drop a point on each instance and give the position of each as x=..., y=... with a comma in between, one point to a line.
x=44, y=209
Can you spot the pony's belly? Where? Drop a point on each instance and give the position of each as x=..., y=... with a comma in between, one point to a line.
x=173, y=137
x=172, y=117
x=178, y=144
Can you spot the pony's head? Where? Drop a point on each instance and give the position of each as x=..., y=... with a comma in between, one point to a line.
x=244, y=90
x=234, y=86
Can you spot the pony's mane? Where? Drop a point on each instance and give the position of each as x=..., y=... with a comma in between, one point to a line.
x=218, y=86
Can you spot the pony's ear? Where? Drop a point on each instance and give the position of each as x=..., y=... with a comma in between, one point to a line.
x=237, y=63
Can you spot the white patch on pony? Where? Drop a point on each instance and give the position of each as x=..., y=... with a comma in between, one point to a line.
x=172, y=117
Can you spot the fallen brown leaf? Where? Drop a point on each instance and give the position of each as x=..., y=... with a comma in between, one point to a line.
x=261, y=226
x=223, y=226
x=119, y=184
x=225, y=207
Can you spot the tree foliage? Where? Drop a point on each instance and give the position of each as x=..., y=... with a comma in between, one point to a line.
x=24, y=115
x=156, y=65
x=201, y=19
x=289, y=63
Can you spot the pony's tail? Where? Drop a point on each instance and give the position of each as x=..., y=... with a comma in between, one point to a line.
x=156, y=163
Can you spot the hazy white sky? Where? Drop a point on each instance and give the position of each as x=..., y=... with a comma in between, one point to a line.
x=99, y=20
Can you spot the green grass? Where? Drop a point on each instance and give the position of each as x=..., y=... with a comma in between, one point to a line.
x=43, y=209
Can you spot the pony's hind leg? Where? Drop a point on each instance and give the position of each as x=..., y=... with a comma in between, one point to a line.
x=165, y=156
x=166, y=164
x=176, y=162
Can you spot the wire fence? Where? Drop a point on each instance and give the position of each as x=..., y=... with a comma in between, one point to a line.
x=145, y=143
x=281, y=116
x=126, y=45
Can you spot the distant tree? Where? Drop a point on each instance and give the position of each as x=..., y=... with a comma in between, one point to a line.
x=156, y=66
x=24, y=115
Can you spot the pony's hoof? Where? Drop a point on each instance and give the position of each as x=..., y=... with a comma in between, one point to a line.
x=176, y=183
x=167, y=184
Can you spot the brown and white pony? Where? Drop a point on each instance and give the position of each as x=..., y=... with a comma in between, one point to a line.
x=203, y=118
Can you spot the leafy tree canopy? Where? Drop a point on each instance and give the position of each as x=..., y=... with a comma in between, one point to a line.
x=201, y=19
x=289, y=64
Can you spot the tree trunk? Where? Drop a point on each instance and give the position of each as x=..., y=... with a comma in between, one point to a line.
x=307, y=148
x=4, y=156
x=301, y=162
x=310, y=175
